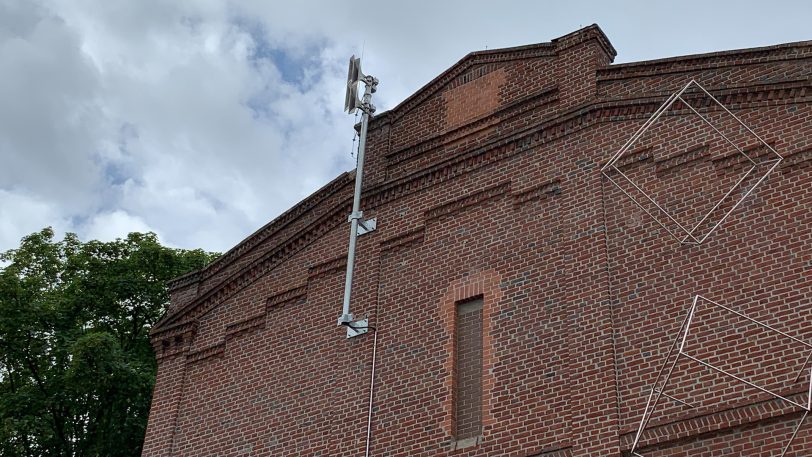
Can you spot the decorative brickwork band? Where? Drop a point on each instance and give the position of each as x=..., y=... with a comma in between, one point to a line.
x=174, y=340
x=326, y=268
x=290, y=295
x=635, y=158
x=670, y=164
x=402, y=241
x=661, y=433
x=215, y=350
x=246, y=325
x=469, y=200
x=539, y=192
x=798, y=159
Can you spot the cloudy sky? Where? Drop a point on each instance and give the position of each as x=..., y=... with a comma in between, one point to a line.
x=202, y=120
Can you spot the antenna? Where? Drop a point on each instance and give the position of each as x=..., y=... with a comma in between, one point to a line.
x=358, y=226
x=354, y=75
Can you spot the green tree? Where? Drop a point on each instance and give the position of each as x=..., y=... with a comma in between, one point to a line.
x=76, y=366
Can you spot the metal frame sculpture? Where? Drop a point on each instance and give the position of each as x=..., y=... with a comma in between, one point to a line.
x=689, y=236
x=658, y=391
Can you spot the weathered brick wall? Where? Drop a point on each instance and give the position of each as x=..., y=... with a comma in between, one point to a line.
x=582, y=292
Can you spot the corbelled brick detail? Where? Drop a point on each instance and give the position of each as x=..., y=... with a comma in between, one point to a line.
x=486, y=184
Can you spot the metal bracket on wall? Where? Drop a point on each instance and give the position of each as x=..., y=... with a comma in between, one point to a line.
x=357, y=328
x=367, y=226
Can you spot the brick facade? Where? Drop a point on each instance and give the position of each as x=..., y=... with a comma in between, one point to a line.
x=486, y=184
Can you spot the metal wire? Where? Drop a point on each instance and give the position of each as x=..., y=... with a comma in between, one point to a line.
x=371, y=391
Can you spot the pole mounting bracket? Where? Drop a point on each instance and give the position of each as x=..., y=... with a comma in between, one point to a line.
x=367, y=226
x=357, y=328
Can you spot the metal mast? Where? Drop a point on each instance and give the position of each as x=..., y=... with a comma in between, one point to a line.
x=358, y=226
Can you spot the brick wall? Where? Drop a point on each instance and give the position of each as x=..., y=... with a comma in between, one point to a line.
x=582, y=292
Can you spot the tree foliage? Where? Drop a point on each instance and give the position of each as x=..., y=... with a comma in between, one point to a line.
x=76, y=366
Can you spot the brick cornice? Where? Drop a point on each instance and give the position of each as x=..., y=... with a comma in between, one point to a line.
x=215, y=350
x=287, y=296
x=180, y=328
x=537, y=192
x=326, y=268
x=246, y=325
x=713, y=60
x=466, y=201
x=267, y=231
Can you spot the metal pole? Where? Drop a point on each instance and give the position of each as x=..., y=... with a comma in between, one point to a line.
x=369, y=83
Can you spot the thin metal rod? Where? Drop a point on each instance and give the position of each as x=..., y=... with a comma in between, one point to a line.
x=722, y=200
x=717, y=130
x=739, y=121
x=755, y=386
x=809, y=398
x=371, y=391
x=795, y=433
x=634, y=200
x=756, y=322
x=647, y=418
x=744, y=197
x=688, y=326
x=654, y=118
x=741, y=152
x=646, y=413
x=644, y=419
x=640, y=131
x=653, y=202
x=801, y=371
x=678, y=400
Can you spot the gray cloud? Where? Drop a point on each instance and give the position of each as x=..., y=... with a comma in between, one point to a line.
x=203, y=120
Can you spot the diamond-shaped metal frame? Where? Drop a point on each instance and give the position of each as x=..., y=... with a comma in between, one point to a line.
x=689, y=236
x=658, y=391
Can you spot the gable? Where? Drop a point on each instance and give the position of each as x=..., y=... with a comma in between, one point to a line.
x=469, y=111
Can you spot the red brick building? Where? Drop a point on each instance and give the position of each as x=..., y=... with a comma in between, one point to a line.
x=523, y=304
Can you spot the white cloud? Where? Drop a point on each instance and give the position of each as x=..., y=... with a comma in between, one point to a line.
x=204, y=120
x=112, y=225
x=22, y=213
x=168, y=117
